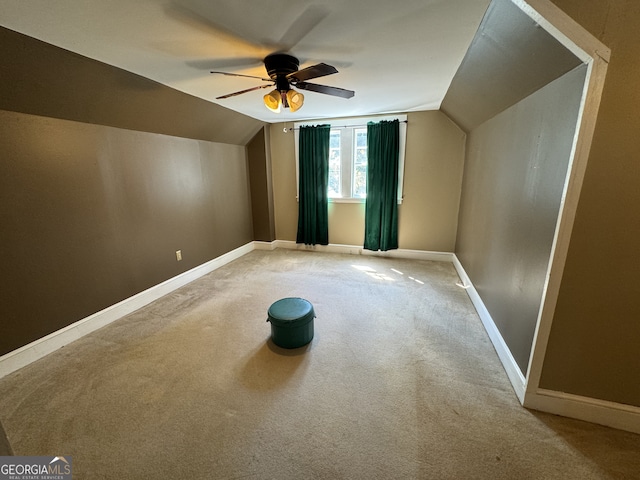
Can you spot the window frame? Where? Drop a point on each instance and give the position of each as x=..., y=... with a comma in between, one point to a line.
x=351, y=124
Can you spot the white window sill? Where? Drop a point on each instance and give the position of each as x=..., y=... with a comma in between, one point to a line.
x=352, y=200
x=346, y=200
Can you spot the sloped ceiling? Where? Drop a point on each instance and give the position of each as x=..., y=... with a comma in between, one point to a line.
x=398, y=56
x=509, y=58
x=41, y=79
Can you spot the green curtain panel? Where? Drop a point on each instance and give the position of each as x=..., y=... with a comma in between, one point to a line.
x=313, y=223
x=381, y=209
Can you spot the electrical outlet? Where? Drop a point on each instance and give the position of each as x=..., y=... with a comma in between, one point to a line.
x=178, y=255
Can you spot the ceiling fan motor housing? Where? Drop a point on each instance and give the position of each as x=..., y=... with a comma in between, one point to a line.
x=280, y=65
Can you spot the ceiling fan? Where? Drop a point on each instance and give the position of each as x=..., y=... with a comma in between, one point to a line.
x=283, y=72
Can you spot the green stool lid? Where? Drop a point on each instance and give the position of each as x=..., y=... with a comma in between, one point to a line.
x=290, y=310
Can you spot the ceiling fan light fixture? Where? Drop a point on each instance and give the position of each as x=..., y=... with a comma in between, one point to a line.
x=283, y=73
x=295, y=100
x=273, y=101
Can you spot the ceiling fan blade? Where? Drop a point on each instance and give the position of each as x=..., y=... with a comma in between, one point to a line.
x=224, y=63
x=262, y=32
x=335, y=91
x=314, y=71
x=241, y=75
x=199, y=15
x=243, y=91
x=299, y=29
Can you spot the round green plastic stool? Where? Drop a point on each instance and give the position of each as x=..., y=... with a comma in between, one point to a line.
x=291, y=322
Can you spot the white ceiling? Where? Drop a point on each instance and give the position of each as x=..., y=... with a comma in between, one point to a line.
x=398, y=56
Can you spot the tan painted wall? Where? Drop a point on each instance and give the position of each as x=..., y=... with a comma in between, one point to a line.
x=512, y=190
x=595, y=338
x=283, y=176
x=92, y=214
x=433, y=175
x=432, y=183
x=260, y=183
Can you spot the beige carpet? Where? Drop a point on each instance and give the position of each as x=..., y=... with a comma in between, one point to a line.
x=5, y=447
x=400, y=382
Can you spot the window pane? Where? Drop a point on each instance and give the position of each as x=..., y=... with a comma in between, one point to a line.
x=360, y=181
x=359, y=188
x=360, y=173
x=334, y=139
x=333, y=189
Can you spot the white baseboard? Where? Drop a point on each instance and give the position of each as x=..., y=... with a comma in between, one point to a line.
x=624, y=417
x=509, y=364
x=260, y=245
x=611, y=414
x=37, y=349
x=602, y=412
x=358, y=250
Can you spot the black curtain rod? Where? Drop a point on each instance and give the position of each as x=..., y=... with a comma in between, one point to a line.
x=342, y=126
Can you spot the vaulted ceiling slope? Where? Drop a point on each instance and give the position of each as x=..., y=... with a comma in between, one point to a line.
x=509, y=58
x=397, y=56
x=41, y=79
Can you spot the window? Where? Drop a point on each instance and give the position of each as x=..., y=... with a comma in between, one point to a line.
x=359, y=184
x=348, y=163
x=335, y=166
x=348, y=157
